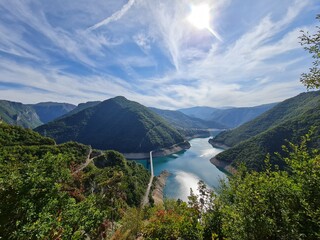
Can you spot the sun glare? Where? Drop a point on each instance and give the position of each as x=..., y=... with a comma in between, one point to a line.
x=200, y=18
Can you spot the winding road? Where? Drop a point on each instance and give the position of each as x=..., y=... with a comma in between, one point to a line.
x=87, y=162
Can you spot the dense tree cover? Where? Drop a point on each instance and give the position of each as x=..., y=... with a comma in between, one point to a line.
x=272, y=204
x=117, y=124
x=289, y=120
x=43, y=196
x=14, y=135
x=311, y=43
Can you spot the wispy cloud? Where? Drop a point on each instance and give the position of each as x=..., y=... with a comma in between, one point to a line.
x=150, y=53
x=114, y=17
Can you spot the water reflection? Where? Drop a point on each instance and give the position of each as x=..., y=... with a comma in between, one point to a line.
x=187, y=168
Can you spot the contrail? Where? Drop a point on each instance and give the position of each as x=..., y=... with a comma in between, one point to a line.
x=114, y=17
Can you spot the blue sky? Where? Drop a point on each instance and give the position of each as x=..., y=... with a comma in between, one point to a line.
x=146, y=50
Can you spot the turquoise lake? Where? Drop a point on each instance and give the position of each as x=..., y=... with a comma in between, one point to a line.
x=187, y=168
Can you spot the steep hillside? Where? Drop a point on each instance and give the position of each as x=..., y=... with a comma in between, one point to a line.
x=234, y=117
x=19, y=114
x=288, y=120
x=48, y=111
x=62, y=191
x=117, y=124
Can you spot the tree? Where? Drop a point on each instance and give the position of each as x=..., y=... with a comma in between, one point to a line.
x=311, y=43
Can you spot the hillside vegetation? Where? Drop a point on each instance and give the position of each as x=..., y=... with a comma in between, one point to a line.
x=288, y=120
x=117, y=124
x=43, y=196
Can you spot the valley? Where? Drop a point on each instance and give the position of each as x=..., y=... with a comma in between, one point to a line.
x=165, y=120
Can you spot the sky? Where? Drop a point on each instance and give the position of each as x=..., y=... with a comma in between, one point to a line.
x=147, y=50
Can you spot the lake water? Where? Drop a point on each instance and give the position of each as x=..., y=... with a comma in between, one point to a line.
x=187, y=168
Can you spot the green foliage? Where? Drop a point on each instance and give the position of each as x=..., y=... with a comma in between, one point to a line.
x=43, y=196
x=175, y=221
x=271, y=204
x=289, y=120
x=117, y=124
x=14, y=135
x=311, y=43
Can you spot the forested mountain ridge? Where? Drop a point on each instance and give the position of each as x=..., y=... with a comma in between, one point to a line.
x=116, y=123
x=289, y=120
x=32, y=115
x=80, y=107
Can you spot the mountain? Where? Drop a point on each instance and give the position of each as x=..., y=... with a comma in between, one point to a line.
x=181, y=120
x=203, y=112
x=19, y=114
x=230, y=117
x=80, y=107
x=288, y=120
x=32, y=115
x=117, y=124
x=48, y=111
x=234, y=117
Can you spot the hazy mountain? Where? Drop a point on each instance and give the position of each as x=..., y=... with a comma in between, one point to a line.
x=181, y=120
x=288, y=120
x=48, y=111
x=204, y=113
x=229, y=117
x=16, y=113
x=234, y=117
x=117, y=124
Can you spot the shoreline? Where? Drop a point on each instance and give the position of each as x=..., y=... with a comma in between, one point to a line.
x=223, y=166
x=160, y=183
x=158, y=153
x=218, y=145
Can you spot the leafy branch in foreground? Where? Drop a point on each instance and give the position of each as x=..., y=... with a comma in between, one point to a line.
x=312, y=44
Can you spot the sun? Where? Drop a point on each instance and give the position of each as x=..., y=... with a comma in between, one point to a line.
x=200, y=16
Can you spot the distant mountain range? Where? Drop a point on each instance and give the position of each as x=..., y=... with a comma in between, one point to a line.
x=181, y=120
x=32, y=115
x=117, y=124
x=288, y=120
x=19, y=114
x=228, y=117
x=48, y=111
